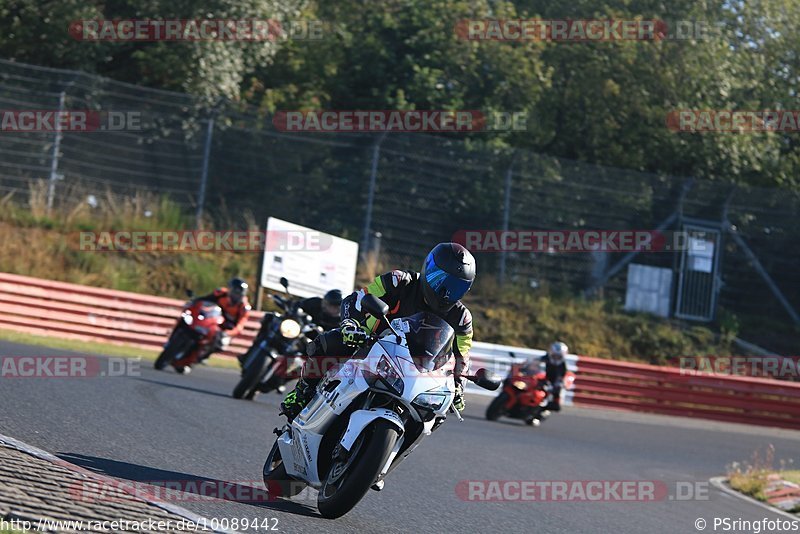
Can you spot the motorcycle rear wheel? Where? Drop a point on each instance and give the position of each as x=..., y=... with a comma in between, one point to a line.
x=361, y=469
x=495, y=409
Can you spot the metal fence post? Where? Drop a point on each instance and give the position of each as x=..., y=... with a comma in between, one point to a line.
x=201, y=196
x=506, y=215
x=376, y=152
x=51, y=186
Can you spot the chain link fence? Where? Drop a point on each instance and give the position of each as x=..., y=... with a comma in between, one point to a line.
x=426, y=188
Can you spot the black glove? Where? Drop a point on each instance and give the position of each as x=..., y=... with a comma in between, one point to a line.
x=352, y=333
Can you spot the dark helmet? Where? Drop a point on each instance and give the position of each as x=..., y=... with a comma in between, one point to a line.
x=558, y=351
x=331, y=303
x=333, y=297
x=237, y=288
x=447, y=274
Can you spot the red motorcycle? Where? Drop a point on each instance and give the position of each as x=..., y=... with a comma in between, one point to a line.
x=193, y=336
x=525, y=395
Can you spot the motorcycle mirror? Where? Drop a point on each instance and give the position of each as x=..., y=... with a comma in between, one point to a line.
x=374, y=306
x=189, y=293
x=483, y=380
x=377, y=308
x=285, y=283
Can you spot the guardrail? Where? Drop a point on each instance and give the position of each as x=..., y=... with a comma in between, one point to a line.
x=671, y=391
x=44, y=307
x=73, y=311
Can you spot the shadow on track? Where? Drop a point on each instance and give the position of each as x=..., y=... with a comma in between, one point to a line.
x=511, y=422
x=187, y=388
x=169, y=481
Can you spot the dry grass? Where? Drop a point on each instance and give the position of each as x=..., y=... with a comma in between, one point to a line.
x=751, y=478
x=36, y=244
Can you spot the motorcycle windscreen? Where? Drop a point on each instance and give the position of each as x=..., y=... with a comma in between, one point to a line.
x=210, y=309
x=429, y=339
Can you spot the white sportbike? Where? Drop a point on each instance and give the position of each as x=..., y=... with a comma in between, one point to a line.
x=368, y=414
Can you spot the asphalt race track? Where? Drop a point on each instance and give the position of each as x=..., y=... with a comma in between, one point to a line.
x=162, y=426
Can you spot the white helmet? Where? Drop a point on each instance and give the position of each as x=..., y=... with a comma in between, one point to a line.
x=558, y=351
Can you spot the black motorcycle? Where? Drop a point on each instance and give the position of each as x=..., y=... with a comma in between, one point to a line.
x=279, y=349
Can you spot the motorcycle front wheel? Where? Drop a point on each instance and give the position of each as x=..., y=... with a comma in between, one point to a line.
x=350, y=478
x=495, y=409
x=176, y=345
x=276, y=480
x=260, y=364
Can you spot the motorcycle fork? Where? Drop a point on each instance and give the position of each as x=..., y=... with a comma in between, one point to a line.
x=513, y=398
x=330, y=447
x=340, y=452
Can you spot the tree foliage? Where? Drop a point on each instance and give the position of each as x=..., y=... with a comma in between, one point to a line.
x=601, y=102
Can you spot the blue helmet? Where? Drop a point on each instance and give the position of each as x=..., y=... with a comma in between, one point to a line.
x=447, y=274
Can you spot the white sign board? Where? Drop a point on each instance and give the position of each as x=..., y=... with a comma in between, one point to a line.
x=314, y=262
x=700, y=255
x=649, y=289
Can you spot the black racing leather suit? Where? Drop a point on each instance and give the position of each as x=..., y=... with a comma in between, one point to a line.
x=555, y=375
x=402, y=292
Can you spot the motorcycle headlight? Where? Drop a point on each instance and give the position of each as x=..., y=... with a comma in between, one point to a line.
x=389, y=375
x=519, y=384
x=187, y=318
x=430, y=401
x=290, y=328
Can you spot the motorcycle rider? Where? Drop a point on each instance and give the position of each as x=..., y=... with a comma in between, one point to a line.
x=447, y=274
x=555, y=369
x=235, y=308
x=325, y=311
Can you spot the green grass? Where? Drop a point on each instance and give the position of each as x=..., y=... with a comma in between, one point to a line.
x=792, y=475
x=751, y=478
x=751, y=484
x=103, y=349
x=754, y=483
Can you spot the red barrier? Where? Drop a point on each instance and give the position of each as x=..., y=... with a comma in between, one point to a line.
x=671, y=391
x=93, y=314
x=73, y=311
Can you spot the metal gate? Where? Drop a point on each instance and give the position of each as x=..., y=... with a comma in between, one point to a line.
x=698, y=278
